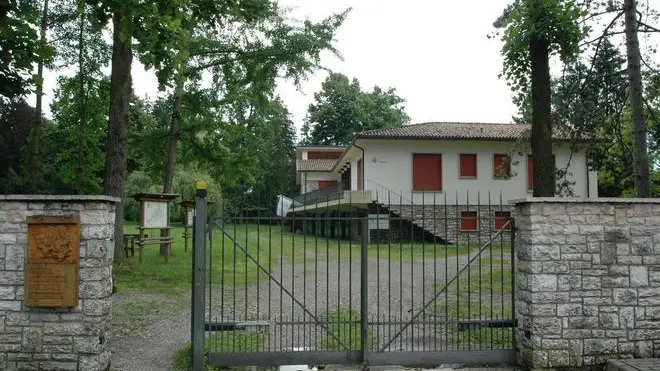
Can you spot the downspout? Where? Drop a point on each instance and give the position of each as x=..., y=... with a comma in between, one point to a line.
x=363, y=167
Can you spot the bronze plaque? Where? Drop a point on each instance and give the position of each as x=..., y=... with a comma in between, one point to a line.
x=53, y=261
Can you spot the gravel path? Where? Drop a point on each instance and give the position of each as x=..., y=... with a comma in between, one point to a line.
x=397, y=290
x=151, y=346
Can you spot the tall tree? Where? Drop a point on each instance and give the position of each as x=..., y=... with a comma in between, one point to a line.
x=534, y=29
x=36, y=135
x=640, y=155
x=120, y=92
x=341, y=109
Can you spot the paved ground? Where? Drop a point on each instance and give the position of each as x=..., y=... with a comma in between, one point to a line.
x=643, y=364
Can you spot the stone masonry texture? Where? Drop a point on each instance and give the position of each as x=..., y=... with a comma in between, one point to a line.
x=588, y=281
x=56, y=338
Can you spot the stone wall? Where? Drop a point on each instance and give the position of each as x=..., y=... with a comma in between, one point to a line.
x=443, y=221
x=56, y=338
x=588, y=280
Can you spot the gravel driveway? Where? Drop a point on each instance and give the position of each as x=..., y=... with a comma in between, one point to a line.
x=397, y=290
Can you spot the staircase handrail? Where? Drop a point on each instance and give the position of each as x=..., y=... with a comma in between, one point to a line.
x=386, y=202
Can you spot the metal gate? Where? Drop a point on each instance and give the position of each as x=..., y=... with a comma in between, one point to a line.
x=335, y=286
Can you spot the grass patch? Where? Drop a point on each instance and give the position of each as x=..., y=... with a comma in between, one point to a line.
x=344, y=324
x=269, y=245
x=481, y=293
x=223, y=342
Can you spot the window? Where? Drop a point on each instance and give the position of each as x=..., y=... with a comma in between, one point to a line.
x=530, y=170
x=501, y=217
x=501, y=165
x=468, y=220
x=468, y=166
x=427, y=172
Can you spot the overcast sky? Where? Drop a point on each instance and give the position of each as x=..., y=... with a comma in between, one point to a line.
x=436, y=55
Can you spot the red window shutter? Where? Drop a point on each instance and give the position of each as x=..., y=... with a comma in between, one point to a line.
x=427, y=172
x=468, y=165
x=501, y=165
x=501, y=217
x=468, y=220
x=530, y=172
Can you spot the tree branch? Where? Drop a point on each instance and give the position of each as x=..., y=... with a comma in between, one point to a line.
x=593, y=59
x=653, y=29
x=648, y=66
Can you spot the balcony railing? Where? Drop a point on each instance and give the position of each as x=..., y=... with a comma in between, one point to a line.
x=327, y=194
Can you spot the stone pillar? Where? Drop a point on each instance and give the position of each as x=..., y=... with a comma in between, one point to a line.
x=50, y=338
x=588, y=280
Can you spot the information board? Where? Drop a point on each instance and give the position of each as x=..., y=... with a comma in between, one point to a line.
x=53, y=262
x=155, y=214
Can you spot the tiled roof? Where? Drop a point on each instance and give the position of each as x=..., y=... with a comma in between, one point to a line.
x=319, y=147
x=455, y=130
x=315, y=165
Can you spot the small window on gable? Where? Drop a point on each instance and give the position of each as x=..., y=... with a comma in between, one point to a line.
x=468, y=165
x=501, y=166
x=468, y=221
x=501, y=217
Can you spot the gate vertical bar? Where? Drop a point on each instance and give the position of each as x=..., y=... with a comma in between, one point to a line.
x=199, y=250
x=364, y=294
x=514, y=328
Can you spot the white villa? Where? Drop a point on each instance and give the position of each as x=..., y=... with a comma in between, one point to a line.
x=442, y=179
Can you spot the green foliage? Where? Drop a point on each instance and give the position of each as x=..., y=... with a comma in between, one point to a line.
x=20, y=47
x=136, y=182
x=66, y=141
x=553, y=20
x=594, y=100
x=17, y=118
x=341, y=109
x=184, y=184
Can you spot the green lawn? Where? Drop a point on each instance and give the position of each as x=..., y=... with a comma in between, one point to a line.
x=481, y=293
x=269, y=245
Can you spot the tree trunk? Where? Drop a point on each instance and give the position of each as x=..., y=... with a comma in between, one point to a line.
x=640, y=154
x=120, y=85
x=175, y=128
x=36, y=136
x=80, y=171
x=541, y=138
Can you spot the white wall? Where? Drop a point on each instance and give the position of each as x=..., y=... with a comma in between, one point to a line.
x=388, y=166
